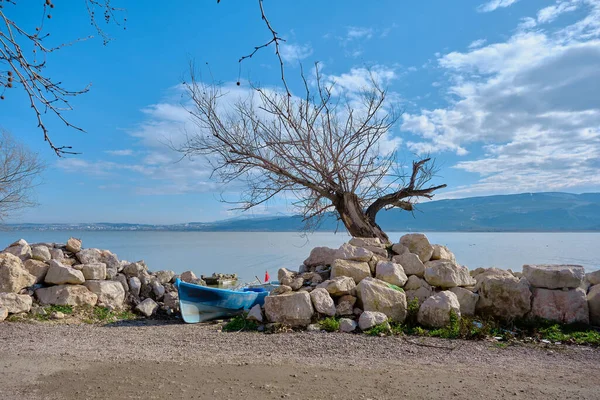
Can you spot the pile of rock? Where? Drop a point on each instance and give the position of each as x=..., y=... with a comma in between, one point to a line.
x=66, y=274
x=365, y=283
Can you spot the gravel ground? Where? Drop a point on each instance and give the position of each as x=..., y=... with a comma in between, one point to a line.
x=157, y=360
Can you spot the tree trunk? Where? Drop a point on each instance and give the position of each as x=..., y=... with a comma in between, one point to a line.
x=355, y=219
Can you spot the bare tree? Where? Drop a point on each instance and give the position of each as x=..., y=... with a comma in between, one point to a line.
x=19, y=168
x=322, y=147
x=23, y=53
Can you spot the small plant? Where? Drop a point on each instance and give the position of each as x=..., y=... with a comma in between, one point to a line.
x=412, y=310
x=67, y=310
x=240, y=323
x=398, y=288
x=330, y=324
x=451, y=331
x=379, y=330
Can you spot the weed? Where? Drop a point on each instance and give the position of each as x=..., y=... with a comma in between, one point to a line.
x=240, y=323
x=379, y=330
x=501, y=345
x=398, y=288
x=330, y=324
x=451, y=331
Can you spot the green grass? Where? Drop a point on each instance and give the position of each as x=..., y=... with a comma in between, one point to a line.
x=398, y=288
x=570, y=334
x=379, y=330
x=240, y=323
x=330, y=324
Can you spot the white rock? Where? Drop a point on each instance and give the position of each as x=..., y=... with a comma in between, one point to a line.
x=15, y=303
x=369, y=319
x=139, y=268
x=399, y=248
x=255, y=314
x=442, y=253
x=72, y=295
x=391, y=272
x=564, y=306
x=347, y=325
x=13, y=276
x=157, y=289
x=171, y=300
x=40, y=253
x=418, y=244
x=110, y=293
x=59, y=274
x=435, y=311
x=354, y=269
x=19, y=249
x=122, y=279
x=502, y=296
x=322, y=302
x=37, y=269
x=135, y=285
x=593, y=298
x=411, y=263
x=147, y=307
x=345, y=305
x=593, y=277
x=89, y=256
x=353, y=253
x=376, y=295
x=446, y=274
x=418, y=288
x=57, y=254
x=94, y=271
x=320, y=256
x=73, y=245
x=293, y=309
x=281, y=289
x=366, y=242
x=554, y=276
x=190, y=277
x=339, y=286
x=467, y=300
x=164, y=276
x=3, y=313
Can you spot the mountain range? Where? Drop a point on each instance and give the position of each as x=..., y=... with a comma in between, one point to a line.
x=552, y=211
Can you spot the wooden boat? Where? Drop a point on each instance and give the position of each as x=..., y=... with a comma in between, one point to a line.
x=201, y=303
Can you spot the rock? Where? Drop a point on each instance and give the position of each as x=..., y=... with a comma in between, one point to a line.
x=37, y=269
x=190, y=277
x=399, y=248
x=15, y=303
x=255, y=314
x=593, y=298
x=442, y=253
x=3, y=313
x=322, y=302
x=164, y=276
x=57, y=315
x=73, y=245
x=40, y=253
x=171, y=300
x=89, y=256
x=347, y=325
x=378, y=251
x=320, y=256
x=20, y=249
x=295, y=283
x=57, y=254
x=307, y=289
x=369, y=319
x=94, y=271
x=122, y=279
x=340, y=286
x=418, y=288
x=353, y=253
x=135, y=285
x=390, y=272
x=281, y=289
x=446, y=274
x=366, y=242
x=345, y=305
x=593, y=277
x=376, y=295
x=313, y=328
x=554, y=276
x=147, y=307
x=354, y=269
x=138, y=268
x=63, y=295
x=312, y=278
x=293, y=309
x=502, y=296
x=564, y=306
x=59, y=274
x=110, y=293
x=411, y=263
x=418, y=244
x=113, y=265
x=435, y=311
x=467, y=300
x=13, y=276
x=157, y=289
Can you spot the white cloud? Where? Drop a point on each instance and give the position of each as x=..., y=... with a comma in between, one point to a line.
x=550, y=13
x=293, y=53
x=531, y=101
x=126, y=152
x=493, y=5
x=356, y=32
x=477, y=43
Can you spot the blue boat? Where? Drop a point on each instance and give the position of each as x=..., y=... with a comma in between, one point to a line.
x=201, y=303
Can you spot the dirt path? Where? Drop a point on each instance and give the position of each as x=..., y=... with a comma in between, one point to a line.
x=175, y=361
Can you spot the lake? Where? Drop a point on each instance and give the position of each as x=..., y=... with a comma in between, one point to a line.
x=249, y=254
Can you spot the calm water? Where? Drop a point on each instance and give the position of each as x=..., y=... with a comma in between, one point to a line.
x=249, y=254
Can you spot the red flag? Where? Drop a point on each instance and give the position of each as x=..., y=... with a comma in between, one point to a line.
x=267, y=277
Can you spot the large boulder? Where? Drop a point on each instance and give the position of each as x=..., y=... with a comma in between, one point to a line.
x=293, y=309
x=110, y=293
x=255, y=314
x=57, y=254
x=171, y=300
x=418, y=244
x=554, y=276
x=377, y=295
x=73, y=245
x=417, y=288
x=190, y=277
x=164, y=276
x=390, y=272
x=564, y=306
x=147, y=307
x=446, y=274
x=593, y=278
x=89, y=256
x=467, y=300
x=354, y=269
x=347, y=325
x=15, y=303
x=94, y=271
x=66, y=295
x=37, y=269
x=369, y=319
x=435, y=312
x=320, y=256
x=366, y=242
x=137, y=269
x=398, y=248
x=442, y=253
x=411, y=263
x=113, y=265
x=593, y=298
x=135, y=286
x=353, y=253
x=19, y=249
x=40, y=253
x=13, y=276
x=59, y=274
x=122, y=279
x=339, y=286
x=345, y=305
x=502, y=296
x=322, y=302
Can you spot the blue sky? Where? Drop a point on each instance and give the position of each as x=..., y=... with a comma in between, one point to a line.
x=503, y=93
